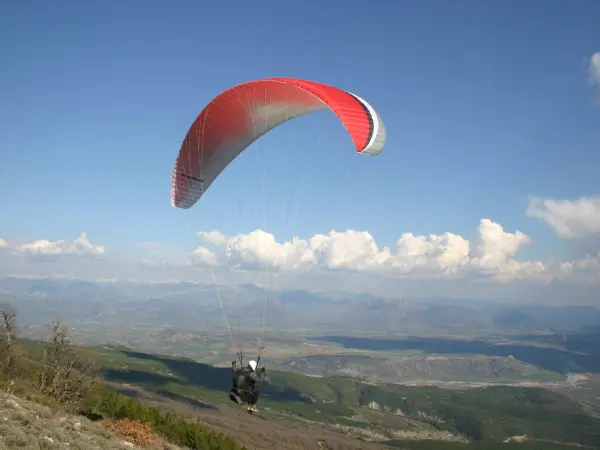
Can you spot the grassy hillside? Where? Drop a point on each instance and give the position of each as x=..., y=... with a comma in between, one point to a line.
x=60, y=377
x=199, y=414
x=383, y=412
x=30, y=425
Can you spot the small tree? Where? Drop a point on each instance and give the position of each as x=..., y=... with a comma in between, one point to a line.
x=66, y=374
x=9, y=346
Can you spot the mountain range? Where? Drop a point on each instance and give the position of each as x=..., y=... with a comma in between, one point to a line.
x=187, y=305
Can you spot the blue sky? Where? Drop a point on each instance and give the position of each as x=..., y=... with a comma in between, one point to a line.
x=485, y=104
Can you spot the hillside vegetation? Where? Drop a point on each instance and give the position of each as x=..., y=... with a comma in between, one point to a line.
x=29, y=425
x=64, y=379
x=183, y=402
x=386, y=411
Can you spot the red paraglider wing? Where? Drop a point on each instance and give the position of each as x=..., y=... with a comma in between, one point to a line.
x=240, y=115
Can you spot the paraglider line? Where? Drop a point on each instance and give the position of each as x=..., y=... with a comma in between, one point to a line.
x=251, y=110
x=262, y=328
x=212, y=271
x=222, y=307
x=264, y=314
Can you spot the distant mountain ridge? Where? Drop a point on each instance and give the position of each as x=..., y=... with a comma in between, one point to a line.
x=186, y=304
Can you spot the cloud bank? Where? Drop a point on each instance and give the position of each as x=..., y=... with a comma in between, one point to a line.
x=594, y=72
x=80, y=247
x=492, y=253
x=569, y=219
x=351, y=257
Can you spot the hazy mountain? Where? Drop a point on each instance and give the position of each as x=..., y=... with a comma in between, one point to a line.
x=186, y=305
x=515, y=318
x=564, y=318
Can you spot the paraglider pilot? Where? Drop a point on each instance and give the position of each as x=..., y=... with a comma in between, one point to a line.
x=244, y=384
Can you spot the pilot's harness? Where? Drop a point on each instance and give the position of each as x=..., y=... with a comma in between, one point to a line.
x=240, y=356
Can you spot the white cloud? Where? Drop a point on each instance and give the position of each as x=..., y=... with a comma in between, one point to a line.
x=3, y=243
x=437, y=264
x=441, y=254
x=594, y=70
x=493, y=253
x=495, y=245
x=585, y=270
x=351, y=249
x=569, y=218
x=204, y=257
x=81, y=247
x=212, y=237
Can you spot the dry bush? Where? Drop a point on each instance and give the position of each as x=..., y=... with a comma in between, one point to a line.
x=65, y=373
x=9, y=346
x=132, y=431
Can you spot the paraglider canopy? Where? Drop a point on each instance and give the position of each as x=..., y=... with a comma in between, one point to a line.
x=239, y=116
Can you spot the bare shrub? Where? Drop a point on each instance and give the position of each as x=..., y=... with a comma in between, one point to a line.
x=9, y=346
x=66, y=373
